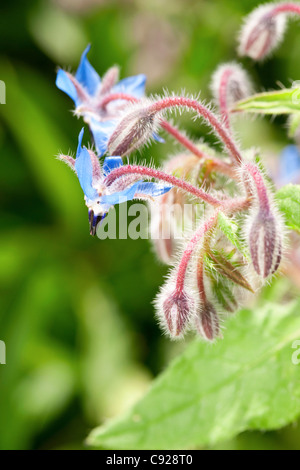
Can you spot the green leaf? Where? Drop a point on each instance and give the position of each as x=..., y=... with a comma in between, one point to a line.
x=230, y=228
x=288, y=200
x=211, y=393
x=273, y=102
x=227, y=269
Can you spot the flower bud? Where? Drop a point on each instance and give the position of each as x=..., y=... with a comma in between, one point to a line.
x=265, y=242
x=134, y=130
x=262, y=31
x=230, y=83
x=175, y=308
x=207, y=322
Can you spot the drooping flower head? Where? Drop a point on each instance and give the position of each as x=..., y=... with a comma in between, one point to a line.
x=98, y=195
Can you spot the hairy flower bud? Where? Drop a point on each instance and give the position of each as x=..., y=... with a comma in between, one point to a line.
x=175, y=308
x=262, y=31
x=265, y=242
x=230, y=83
x=207, y=322
x=134, y=130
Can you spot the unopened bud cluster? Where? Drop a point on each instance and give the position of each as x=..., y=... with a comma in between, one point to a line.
x=232, y=239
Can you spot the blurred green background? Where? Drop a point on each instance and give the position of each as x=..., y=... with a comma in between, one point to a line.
x=75, y=312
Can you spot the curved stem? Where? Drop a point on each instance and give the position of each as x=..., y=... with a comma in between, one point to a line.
x=223, y=97
x=162, y=176
x=260, y=185
x=116, y=96
x=178, y=101
x=204, y=229
x=187, y=143
x=286, y=8
x=217, y=164
x=228, y=207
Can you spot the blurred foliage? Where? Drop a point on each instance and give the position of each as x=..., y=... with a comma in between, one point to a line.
x=75, y=312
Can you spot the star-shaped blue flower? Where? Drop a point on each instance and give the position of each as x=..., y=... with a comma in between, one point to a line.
x=86, y=85
x=99, y=197
x=87, y=90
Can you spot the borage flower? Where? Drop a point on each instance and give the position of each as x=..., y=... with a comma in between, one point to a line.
x=90, y=93
x=100, y=102
x=98, y=195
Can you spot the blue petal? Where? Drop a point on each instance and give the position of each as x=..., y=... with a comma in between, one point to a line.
x=64, y=83
x=152, y=189
x=121, y=196
x=102, y=130
x=132, y=85
x=84, y=170
x=80, y=137
x=289, y=167
x=158, y=138
x=110, y=163
x=87, y=75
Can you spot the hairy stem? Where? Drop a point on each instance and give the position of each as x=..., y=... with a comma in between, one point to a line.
x=223, y=97
x=220, y=129
x=260, y=185
x=162, y=176
x=286, y=8
x=228, y=207
x=216, y=164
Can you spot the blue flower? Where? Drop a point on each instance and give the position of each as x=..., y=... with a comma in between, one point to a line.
x=87, y=90
x=289, y=165
x=98, y=196
x=86, y=86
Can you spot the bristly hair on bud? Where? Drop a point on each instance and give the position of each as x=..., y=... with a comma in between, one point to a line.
x=207, y=322
x=265, y=238
x=135, y=128
x=175, y=309
x=230, y=83
x=262, y=32
x=264, y=229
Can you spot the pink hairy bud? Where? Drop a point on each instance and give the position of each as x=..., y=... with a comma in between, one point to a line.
x=230, y=83
x=262, y=31
x=134, y=130
x=265, y=242
x=175, y=308
x=207, y=322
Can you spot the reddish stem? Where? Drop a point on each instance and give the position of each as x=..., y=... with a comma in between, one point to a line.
x=187, y=143
x=160, y=175
x=286, y=8
x=228, y=208
x=178, y=101
x=262, y=192
x=181, y=273
x=216, y=164
x=223, y=97
x=116, y=96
